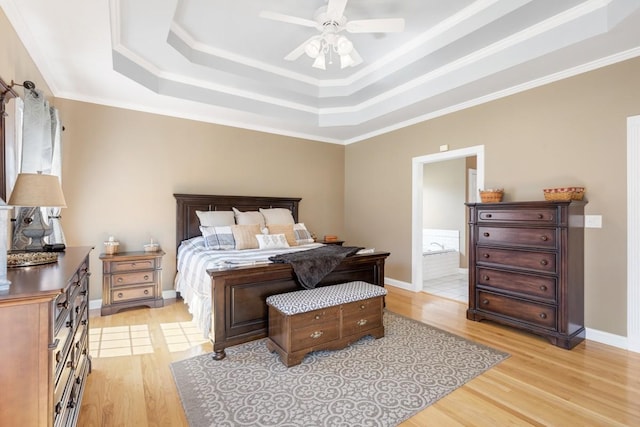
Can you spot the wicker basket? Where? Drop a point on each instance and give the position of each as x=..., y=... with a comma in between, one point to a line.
x=491, y=196
x=578, y=193
x=558, y=194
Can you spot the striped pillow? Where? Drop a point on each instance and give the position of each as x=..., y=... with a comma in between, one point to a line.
x=218, y=238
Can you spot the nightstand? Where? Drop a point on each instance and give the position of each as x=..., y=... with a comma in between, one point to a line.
x=331, y=242
x=131, y=279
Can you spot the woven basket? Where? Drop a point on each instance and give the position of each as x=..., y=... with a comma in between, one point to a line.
x=558, y=194
x=491, y=196
x=578, y=193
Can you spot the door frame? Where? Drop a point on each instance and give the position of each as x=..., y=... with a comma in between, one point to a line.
x=633, y=233
x=417, y=200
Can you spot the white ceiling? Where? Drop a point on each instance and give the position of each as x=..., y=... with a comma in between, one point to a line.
x=218, y=61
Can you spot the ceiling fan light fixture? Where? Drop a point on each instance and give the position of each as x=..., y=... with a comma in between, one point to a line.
x=346, y=61
x=319, y=62
x=343, y=46
x=313, y=48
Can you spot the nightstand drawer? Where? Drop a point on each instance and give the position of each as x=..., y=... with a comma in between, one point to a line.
x=143, y=292
x=141, y=264
x=125, y=279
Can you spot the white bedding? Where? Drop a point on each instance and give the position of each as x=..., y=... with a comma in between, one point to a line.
x=193, y=282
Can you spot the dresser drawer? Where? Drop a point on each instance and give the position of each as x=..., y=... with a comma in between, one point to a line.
x=514, y=236
x=139, y=264
x=141, y=292
x=530, y=260
x=521, y=311
x=314, y=335
x=125, y=279
x=525, y=216
x=537, y=286
x=62, y=341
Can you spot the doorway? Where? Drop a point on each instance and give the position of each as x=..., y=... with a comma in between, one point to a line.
x=419, y=164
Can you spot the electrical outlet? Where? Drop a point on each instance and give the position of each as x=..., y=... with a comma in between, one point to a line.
x=444, y=147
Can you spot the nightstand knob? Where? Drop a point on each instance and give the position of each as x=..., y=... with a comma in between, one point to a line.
x=485, y=278
x=544, y=262
x=146, y=291
x=540, y=216
x=120, y=295
x=543, y=288
x=485, y=255
x=146, y=277
x=119, y=279
x=485, y=301
x=485, y=234
x=544, y=238
x=489, y=216
x=543, y=315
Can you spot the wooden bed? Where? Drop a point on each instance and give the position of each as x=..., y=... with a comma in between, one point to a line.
x=239, y=311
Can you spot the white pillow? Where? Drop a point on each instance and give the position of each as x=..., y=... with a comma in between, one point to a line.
x=215, y=218
x=249, y=218
x=272, y=241
x=219, y=238
x=302, y=234
x=277, y=216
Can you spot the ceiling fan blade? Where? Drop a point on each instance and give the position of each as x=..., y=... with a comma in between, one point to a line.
x=390, y=25
x=335, y=8
x=297, y=52
x=288, y=18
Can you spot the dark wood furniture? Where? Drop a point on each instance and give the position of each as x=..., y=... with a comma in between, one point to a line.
x=295, y=335
x=239, y=312
x=331, y=242
x=131, y=279
x=526, y=267
x=45, y=341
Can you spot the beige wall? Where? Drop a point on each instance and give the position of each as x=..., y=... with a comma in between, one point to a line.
x=121, y=169
x=571, y=132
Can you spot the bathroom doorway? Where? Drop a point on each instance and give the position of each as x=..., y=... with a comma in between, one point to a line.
x=442, y=182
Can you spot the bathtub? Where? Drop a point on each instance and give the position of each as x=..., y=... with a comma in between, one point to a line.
x=440, y=263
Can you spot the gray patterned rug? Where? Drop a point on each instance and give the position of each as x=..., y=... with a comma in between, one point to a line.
x=371, y=383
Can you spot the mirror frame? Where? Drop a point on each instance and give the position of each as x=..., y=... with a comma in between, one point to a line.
x=6, y=94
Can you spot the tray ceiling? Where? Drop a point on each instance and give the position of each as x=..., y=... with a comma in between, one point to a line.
x=219, y=61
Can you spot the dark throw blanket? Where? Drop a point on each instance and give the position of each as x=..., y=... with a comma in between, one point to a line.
x=311, y=266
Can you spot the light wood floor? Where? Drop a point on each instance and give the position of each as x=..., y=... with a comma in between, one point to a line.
x=539, y=385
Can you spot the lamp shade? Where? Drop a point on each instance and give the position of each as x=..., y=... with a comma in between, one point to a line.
x=37, y=190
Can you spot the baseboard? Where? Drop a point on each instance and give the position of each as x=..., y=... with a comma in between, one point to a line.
x=96, y=304
x=398, y=284
x=608, y=339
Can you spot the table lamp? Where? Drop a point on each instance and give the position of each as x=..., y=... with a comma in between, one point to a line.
x=35, y=191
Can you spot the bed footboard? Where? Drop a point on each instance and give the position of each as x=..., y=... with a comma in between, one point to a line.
x=239, y=311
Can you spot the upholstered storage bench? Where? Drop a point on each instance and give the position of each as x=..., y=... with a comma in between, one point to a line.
x=326, y=318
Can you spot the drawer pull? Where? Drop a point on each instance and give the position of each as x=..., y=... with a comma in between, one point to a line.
x=544, y=238
x=84, y=322
x=485, y=301
x=489, y=216
x=146, y=277
x=540, y=216
x=362, y=322
x=362, y=306
x=485, y=234
x=485, y=255
x=543, y=315
x=316, y=334
x=83, y=293
x=64, y=305
x=485, y=278
x=120, y=295
x=317, y=317
x=133, y=264
x=544, y=262
x=58, y=356
x=543, y=288
x=119, y=279
x=58, y=408
x=146, y=291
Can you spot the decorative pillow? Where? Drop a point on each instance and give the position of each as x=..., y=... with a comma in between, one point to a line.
x=286, y=229
x=245, y=236
x=277, y=216
x=218, y=237
x=302, y=234
x=272, y=241
x=249, y=218
x=215, y=218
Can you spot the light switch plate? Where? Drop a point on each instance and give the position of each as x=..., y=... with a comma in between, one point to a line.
x=593, y=221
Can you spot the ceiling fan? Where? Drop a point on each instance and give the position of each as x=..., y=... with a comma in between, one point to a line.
x=330, y=21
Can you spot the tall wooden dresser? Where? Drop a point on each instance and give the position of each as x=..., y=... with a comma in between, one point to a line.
x=44, y=331
x=526, y=267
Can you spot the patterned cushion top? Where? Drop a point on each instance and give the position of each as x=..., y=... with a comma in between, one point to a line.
x=323, y=297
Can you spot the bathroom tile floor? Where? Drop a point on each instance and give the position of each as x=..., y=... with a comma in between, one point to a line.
x=455, y=286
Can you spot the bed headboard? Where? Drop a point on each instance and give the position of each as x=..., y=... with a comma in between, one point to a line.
x=187, y=223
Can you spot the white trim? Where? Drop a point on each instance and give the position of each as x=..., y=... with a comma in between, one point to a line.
x=416, y=204
x=633, y=233
x=606, y=338
x=399, y=284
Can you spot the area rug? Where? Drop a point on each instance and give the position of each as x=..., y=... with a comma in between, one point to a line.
x=371, y=383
